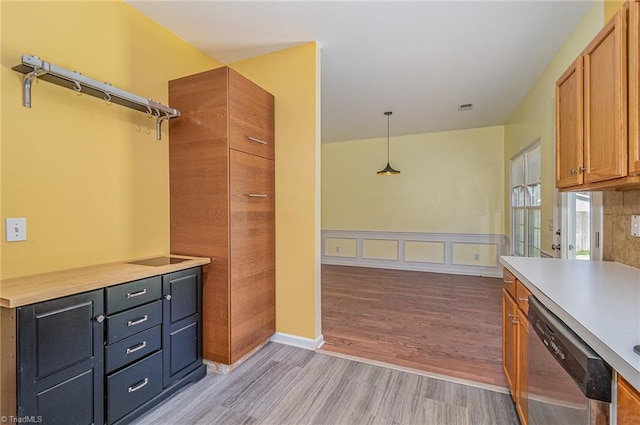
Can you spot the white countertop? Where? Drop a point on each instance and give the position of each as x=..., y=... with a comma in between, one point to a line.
x=598, y=300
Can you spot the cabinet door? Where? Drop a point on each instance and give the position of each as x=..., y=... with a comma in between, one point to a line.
x=252, y=252
x=628, y=403
x=569, y=128
x=634, y=87
x=182, y=325
x=61, y=369
x=522, y=381
x=605, y=102
x=251, y=117
x=509, y=333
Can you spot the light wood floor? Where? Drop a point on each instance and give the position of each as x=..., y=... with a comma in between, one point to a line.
x=282, y=385
x=439, y=323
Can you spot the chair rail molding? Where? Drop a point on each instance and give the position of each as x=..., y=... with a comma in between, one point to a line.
x=453, y=253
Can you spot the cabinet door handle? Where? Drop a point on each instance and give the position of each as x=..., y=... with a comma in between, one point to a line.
x=514, y=322
x=100, y=318
x=523, y=300
x=253, y=139
x=137, y=347
x=510, y=315
x=139, y=385
x=582, y=169
x=138, y=321
x=257, y=195
x=136, y=294
x=573, y=171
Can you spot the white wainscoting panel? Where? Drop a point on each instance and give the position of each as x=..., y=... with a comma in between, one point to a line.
x=454, y=253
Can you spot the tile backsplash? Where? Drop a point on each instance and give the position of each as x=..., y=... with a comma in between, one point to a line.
x=619, y=245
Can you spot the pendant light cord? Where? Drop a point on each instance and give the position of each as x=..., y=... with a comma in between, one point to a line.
x=388, y=114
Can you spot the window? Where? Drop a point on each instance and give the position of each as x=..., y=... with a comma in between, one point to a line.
x=525, y=202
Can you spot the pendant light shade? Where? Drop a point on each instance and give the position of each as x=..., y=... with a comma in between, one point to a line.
x=388, y=170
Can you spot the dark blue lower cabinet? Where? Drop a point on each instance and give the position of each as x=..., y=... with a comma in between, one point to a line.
x=152, y=350
x=60, y=360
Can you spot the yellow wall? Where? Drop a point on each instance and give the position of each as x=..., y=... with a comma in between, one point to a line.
x=90, y=178
x=611, y=7
x=292, y=76
x=450, y=182
x=535, y=118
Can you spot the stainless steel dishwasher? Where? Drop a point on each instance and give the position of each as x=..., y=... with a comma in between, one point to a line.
x=569, y=384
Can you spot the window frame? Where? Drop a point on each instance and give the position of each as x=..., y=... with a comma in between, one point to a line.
x=523, y=242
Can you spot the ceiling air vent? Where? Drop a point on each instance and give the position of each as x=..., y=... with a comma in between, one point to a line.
x=465, y=107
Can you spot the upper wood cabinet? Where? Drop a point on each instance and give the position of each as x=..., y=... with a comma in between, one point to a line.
x=634, y=87
x=251, y=117
x=591, y=110
x=569, y=144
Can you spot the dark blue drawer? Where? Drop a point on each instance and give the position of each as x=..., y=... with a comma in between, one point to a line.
x=130, y=322
x=133, y=294
x=132, y=348
x=133, y=386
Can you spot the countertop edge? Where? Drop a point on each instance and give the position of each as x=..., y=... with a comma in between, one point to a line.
x=619, y=364
x=20, y=291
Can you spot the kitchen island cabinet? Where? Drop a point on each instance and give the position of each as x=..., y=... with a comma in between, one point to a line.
x=102, y=356
x=598, y=301
x=515, y=341
x=628, y=403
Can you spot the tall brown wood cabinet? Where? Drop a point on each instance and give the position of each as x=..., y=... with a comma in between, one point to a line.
x=222, y=187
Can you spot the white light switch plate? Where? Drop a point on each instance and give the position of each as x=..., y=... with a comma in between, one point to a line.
x=16, y=229
x=635, y=226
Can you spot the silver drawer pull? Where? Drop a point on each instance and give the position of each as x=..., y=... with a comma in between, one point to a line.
x=257, y=195
x=522, y=299
x=137, y=322
x=139, y=385
x=253, y=139
x=137, y=294
x=137, y=347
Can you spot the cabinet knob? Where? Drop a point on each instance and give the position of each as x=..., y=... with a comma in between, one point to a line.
x=167, y=297
x=573, y=171
x=582, y=169
x=100, y=318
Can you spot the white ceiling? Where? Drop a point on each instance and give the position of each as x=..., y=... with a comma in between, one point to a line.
x=419, y=59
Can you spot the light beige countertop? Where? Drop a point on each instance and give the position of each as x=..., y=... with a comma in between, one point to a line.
x=19, y=291
x=598, y=300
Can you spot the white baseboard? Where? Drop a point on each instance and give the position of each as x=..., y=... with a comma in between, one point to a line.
x=298, y=341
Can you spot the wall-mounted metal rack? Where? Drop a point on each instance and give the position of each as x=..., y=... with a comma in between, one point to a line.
x=35, y=68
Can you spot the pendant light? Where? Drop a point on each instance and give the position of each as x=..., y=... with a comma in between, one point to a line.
x=388, y=170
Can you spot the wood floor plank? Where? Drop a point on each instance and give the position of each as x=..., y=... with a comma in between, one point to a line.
x=317, y=389
x=439, y=323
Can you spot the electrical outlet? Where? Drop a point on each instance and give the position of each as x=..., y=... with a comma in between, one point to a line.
x=337, y=248
x=635, y=226
x=16, y=229
x=476, y=257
